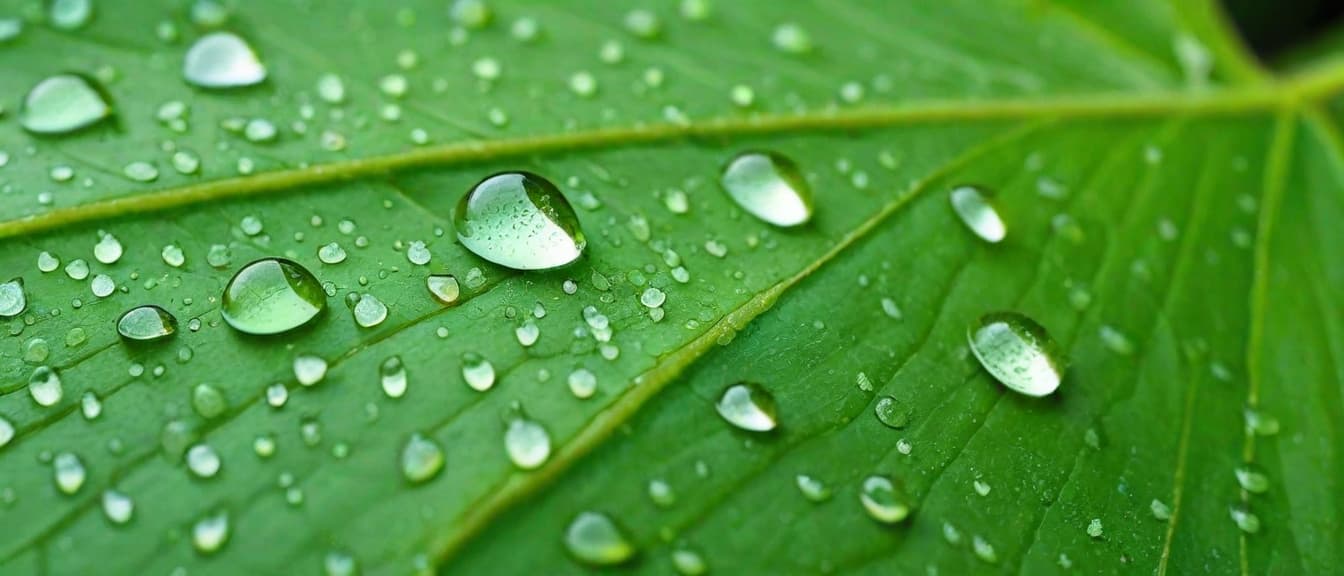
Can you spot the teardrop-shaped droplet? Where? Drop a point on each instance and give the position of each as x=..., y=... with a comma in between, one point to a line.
x=210, y=533
x=392, y=374
x=812, y=488
x=883, y=501
x=595, y=539
x=527, y=442
x=369, y=311
x=972, y=205
x=421, y=459
x=748, y=406
x=444, y=287
x=478, y=372
x=892, y=412
x=45, y=386
x=270, y=296
x=519, y=220
x=61, y=104
x=146, y=323
x=117, y=507
x=1252, y=478
x=12, y=300
x=222, y=60
x=770, y=187
x=69, y=472
x=1018, y=352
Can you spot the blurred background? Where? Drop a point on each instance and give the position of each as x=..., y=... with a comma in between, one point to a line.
x=1273, y=28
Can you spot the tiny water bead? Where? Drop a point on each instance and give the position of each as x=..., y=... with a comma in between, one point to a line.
x=1252, y=479
x=519, y=220
x=883, y=501
x=596, y=540
x=117, y=507
x=146, y=323
x=972, y=205
x=527, y=442
x=748, y=406
x=443, y=287
x=270, y=296
x=421, y=459
x=769, y=186
x=812, y=488
x=892, y=412
x=69, y=472
x=1018, y=352
x=478, y=372
x=222, y=60
x=63, y=103
x=582, y=383
x=203, y=461
x=45, y=386
x=392, y=375
x=210, y=533
x=12, y=300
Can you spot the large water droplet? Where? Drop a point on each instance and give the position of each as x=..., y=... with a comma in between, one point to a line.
x=270, y=296
x=369, y=311
x=222, y=60
x=309, y=369
x=972, y=205
x=421, y=459
x=883, y=501
x=45, y=386
x=146, y=323
x=12, y=300
x=1018, y=352
x=444, y=287
x=519, y=220
x=770, y=187
x=210, y=533
x=595, y=539
x=527, y=442
x=61, y=104
x=748, y=406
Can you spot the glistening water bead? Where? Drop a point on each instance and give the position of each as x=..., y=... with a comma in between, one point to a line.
x=769, y=186
x=222, y=60
x=972, y=205
x=61, y=104
x=270, y=296
x=748, y=406
x=519, y=220
x=1018, y=352
x=596, y=540
x=146, y=323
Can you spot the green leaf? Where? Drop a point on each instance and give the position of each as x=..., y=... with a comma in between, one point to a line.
x=1170, y=213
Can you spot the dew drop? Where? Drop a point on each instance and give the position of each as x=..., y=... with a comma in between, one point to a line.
x=222, y=60
x=70, y=14
x=892, y=412
x=527, y=442
x=883, y=501
x=12, y=300
x=478, y=372
x=443, y=287
x=370, y=311
x=141, y=172
x=331, y=89
x=812, y=488
x=972, y=205
x=47, y=262
x=7, y=431
x=1160, y=510
x=595, y=539
x=77, y=269
x=748, y=406
x=208, y=401
x=270, y=296
x=791, y=38
x=210, y=533
x=90, y=406
x=277, y=395
x=474, y=14
x=45, y=386
x=117, y=507
x=769, y=186
x=102, y=286
x=146, y=323
x=1252, y=479
x=69, y=472
x=1245, y=520
x=688, y=562
x=108, y=249
x=1018, y=352
x=417, y=253
x=421, y=459
x=582, y=383
x=392, y=375
x=61, y=104
x=309, y=369
x=203, y=461
x=519, y=220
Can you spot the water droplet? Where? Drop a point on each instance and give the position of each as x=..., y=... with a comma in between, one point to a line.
x=527, y=442
x=1245, y=520
x=173, y=256
x=203, y=461
x=309, y=369
x=882, y=500
x=1160, y=510
x=1252, y=479
x=369, y=311
x=748, y=406
x=69, y=472
x=770, y=187
x=47, y=262
x=444, y=287
x=812, y=488
x=7, y=431
x=582, y=383
x=210, y=533
x=417, y=253
x=1094, y=528
x=478, y=372
x=222, y=60
x=972, y=205
x=117, y=507
x=474, y=14
x=12, y=300
x=270, y=296
x=77, y=269
x=983, y=550
x=342, y=564
x=331, y=89
x=791, y=38
x=108, y=249
x=392, y=374
x=90, y=406
x=519, y=220
x=1116, y=341
x=146, y=323
x=263, y=446
x=70, y=14
x=643, y=23
x=688, y=562
x=892, y=412
x=61, y=104
x=595, y=539
x=102, y=285
x=652, y=297
x=259, y=130
x=421, y=459
x=208, y=401
x=277, y=395
x=583, y=84
x=1018, y=352
x=45, y=386
x=141, y=172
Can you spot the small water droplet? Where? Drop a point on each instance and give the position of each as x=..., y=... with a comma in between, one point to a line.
x=12, y=299
x=90, y=406
x=146, y=323
x=984, y=550
x=222, y=60
x=7, y=431
x=478, y=372
x=369, y=311
x=595, y=539
x=1018, y=352
x=519, y=220
x=527, y=443
x=117, y=507
x=1116, y=341
x=141, y=172
x=309, y=369
x=392, y=374
x=417, y=253
x=883, y=501
x=582, y=383
x=208, y=401
x=444, y=287
x=1160, y=510
x=203, y=461
x=1094, y=528
x=421, y=459
x=45, y=386
x=973, y=206
x=769, y=186
x=527, y=333
x=342, y=564
x=791, y=38
x=270, y=296
x=63, y=103
x=892, y=412
x=1252, y=479
x=210, y=533
x=812, y=488
x=69, y=472
x=70, y=14
x=1245, y=520
x=108, y=249
x=473, y=14
x=748, y=406
x=688, y=562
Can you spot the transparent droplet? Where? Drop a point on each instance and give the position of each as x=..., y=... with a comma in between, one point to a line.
x=582, y=383
x=417, y=253
x=1160, y=510
x=45, y=386
x=331, y=253
x=141, y=172
x=90, y=406
x=309, y=369
x=892, y=412
x=983, y=550
x=883, y=501
x=1252, y=479
x=652, y=297
x=370, y=311
x=277, y=395
x=146, y=323
x=471, y=14
x=392, y=374
x=342, y=564
x=1018, y=352
x=331, y=89
x=421, y=459
x=769, y=186
x=117, y=507
x=1245, y=520
x=478, y=372
x=7, y=431
x=77, y=269
x=595, y=539
x=792, y=38
x=444, y=287
x=70, y=14
x=748, y=406
x=47, y=262
x=69, y=472
x=222, y=60
x=12, y=299
x=63, y=103
x=583, y=84
x=812, y=488
x=203, y=461
x=270, y=296
x=210, y=533
x=519, y=220
x=527, y=442
x=688, y=562
x=208, y=401
x=108, y=249
x=972, y=205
